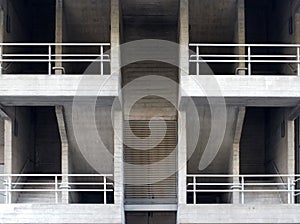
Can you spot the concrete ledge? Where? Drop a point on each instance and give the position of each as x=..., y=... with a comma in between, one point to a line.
x=238, y=214
x=51, y=89
x=39, y=213
x=243, y=90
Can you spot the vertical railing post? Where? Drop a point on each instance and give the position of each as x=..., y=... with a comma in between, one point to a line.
x=49, y=60
x=298, y=61
x=249, y=60
x=6, y=190
x=1, y=57
x=101, y=60
x=289, y=189
x=243, y=190
x=197, y=61
x=293, y=191
x=194, y=190
x=104, y=189
x=9, y=196
x=56, y=190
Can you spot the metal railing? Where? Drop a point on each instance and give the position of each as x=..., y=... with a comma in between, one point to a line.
x=56, y=184
x=53, y=56
x=220, y=184
x=255, y=55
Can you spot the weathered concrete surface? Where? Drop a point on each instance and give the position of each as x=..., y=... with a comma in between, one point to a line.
x=238, y=214
x=51, y=90
x=28, y=213
x=243, y=90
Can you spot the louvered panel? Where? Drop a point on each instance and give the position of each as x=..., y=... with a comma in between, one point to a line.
x=141, y=160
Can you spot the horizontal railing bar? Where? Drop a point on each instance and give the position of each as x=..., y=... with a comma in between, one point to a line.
x=56, y=175
x=243, y=45
x=55, y=60
x=244, y=61
x=245, y=56
x=54, y=55
x=246, y=175
x=55, y=44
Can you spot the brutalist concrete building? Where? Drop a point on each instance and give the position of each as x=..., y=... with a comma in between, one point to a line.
x=139, y=111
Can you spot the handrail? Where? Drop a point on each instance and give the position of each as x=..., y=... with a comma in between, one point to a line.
x=57, y=186
x=203, y=184
x=248, y=59
x=48, y=55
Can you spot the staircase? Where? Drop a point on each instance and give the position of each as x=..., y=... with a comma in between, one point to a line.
x=262, y=197
x=37, y=197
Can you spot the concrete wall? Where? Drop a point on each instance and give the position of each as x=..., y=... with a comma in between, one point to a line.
x=238, y=214
x=22, y=140
x=60, y=214
x=253, y=142
x=1, y=141
x=86, y=138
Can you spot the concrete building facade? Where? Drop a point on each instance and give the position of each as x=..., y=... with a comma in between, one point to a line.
x=138, y=111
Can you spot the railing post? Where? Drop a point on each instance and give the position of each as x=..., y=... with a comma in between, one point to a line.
x=49, y=60
x=105, y=188
x=56, y=190
x=101, y=60
x=243, y=190
x=249, y=60
x=289, y=189
x=298, y=61
x=9, y=190
x=1, y=57
x=194, y=190
x=197, y=63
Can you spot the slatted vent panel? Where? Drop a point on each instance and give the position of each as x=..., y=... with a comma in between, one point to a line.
x=146, y=165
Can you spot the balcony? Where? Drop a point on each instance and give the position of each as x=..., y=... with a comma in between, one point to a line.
x=66, y=58
x=250, y=59
x=57, y=189
x=249, y=189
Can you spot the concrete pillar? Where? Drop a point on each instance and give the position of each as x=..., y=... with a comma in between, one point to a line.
x=58, y=34
x=8, y=133
x=115, y=39
x=8, y=146
x=184, y=37
x=118, y=162
x=241, y=34
x=64, y=152
x=236, y=153
x=290, y=147
x=182, y=158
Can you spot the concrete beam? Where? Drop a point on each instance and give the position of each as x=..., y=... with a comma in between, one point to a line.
x=243, y=90
x=64, y=151
x=294, y=113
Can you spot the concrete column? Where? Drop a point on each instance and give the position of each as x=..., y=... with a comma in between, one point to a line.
x=118, y=162
x=58, y=34
x=115, y=39
x=236, y=153
x=8, y=146
x=7, y=142
x=182, y=157
x=64, y=152
x=1, y=25
x=184, y=37
x=241, y=34
x=290, y=147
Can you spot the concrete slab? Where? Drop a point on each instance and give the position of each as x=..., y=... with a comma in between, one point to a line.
x=243, y=90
